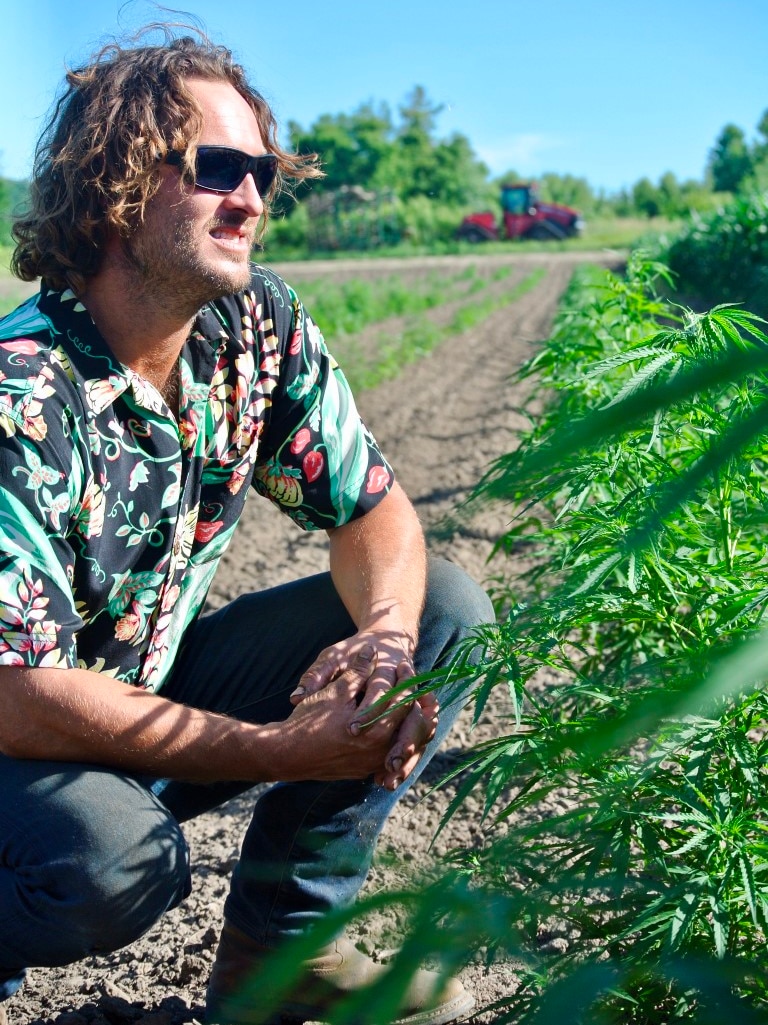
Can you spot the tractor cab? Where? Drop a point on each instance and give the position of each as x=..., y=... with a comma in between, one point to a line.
x=519, y=204
x=519, y=199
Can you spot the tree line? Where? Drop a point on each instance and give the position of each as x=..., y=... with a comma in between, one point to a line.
x=430, y=182
x=375, y=150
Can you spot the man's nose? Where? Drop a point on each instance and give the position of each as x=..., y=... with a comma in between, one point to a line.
x=246, y=197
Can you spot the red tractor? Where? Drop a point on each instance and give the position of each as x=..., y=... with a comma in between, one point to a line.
x=524, y=216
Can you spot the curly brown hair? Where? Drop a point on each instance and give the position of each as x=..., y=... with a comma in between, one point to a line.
x=97, y=162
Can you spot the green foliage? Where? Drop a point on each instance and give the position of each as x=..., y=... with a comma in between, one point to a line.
x=723, y=256
x=730, y=161
x=385, y=180
x=436, y=182
x=426, y=222
x=568, y=190
x=645, y=198
x=13, y=196
x=372, y=151
x=625, y=795
x=629, y=792
x=355, y=148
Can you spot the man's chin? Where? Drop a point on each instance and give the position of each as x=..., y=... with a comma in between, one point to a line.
x=235, y=279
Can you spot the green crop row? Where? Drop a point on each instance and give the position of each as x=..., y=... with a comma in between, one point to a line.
x=366, y=365
x=348, y=306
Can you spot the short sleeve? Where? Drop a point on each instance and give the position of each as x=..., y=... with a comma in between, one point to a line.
x=38, y=616
x=317, y=459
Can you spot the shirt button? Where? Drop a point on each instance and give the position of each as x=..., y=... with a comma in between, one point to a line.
x=177, y=544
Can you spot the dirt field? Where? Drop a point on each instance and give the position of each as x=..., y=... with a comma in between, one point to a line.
x=439, y=425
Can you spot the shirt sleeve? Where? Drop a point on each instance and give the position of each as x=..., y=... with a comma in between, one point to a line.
x=317, y=459
x=38, y=616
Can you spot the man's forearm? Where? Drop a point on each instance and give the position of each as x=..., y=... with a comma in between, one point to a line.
x=76, y=715
x=378, y=565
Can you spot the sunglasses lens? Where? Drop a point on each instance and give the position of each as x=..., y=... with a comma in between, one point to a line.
x=222, y=170
x=264, y=173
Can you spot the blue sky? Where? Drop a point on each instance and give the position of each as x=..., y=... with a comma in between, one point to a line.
x=611, y=91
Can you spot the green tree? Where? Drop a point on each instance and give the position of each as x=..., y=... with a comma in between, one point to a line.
x=455, y=175
x=5, y=213
x=622, y=204
x=759, y=154
x=353, y=148
x=671, y=201
x=416, y=163
x=569, y=190
x=367, y=149
x=13, y=198
x=730, y=161
x=760, y=150
x=646, y=198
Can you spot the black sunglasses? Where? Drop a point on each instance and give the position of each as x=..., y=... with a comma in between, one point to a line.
x=220, y=169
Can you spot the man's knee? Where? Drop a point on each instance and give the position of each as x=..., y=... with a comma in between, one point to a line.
x=455, y=604
x=91, y=860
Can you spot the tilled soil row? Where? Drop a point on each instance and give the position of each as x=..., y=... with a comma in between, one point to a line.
x=440, y=424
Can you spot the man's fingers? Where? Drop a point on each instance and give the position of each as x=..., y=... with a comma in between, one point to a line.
x=430, y=710
x=319, y=675
x=357, y=674
x=328, y=666
x=403, y=757
x=374, y=708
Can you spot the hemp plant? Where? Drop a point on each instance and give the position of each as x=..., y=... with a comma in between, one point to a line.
x=626, y=801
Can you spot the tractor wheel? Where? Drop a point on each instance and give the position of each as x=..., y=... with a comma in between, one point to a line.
x=472, y=234
x=545, y=231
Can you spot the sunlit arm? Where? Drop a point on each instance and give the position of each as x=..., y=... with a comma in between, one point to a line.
x=378, y=565
x=76, y=715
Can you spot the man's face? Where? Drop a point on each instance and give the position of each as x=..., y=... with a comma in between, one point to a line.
x=194, y=246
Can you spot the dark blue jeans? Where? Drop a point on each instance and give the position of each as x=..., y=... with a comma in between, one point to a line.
x=90, y=858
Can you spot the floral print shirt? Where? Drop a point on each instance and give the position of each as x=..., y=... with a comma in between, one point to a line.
x=114, y=513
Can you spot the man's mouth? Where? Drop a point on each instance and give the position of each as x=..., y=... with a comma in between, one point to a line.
x=232, y=235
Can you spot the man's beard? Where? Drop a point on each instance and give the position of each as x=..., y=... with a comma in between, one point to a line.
x=173, y=272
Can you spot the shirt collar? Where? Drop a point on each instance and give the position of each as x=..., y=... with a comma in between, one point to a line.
x=106, y=377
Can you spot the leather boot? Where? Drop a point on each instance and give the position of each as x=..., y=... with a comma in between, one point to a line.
x=338, y=969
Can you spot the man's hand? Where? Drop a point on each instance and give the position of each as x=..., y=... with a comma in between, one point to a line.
x=317, y=741
x=81, y=716
x=411, y=721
